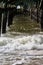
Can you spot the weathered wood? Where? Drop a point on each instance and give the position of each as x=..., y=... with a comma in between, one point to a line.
x=0, y=19
x=41, y=21
x=4, y=23
x=41, y=7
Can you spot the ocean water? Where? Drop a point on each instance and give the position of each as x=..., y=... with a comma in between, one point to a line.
x=19, y=50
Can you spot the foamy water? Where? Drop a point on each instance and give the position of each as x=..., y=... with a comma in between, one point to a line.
x=19, y=50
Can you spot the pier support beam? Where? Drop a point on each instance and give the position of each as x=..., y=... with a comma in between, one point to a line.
x=12, y=13
x=4, y=22
x=41, y=21
x=41, y=7
x=0, y=19
x=10, y=18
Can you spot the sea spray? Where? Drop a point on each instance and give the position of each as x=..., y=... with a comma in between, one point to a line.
x=24, y=43
x=20, y=50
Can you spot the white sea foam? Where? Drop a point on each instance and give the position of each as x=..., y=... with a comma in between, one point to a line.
x=12, y=48
x=24, y=43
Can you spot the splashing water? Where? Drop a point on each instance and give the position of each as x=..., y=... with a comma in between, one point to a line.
x=24, y=43
x=15, y=51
